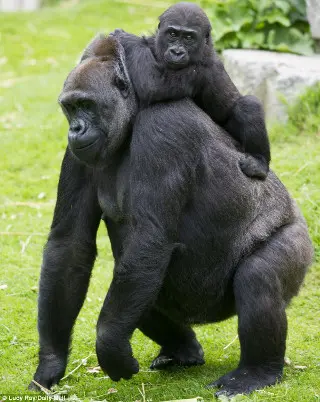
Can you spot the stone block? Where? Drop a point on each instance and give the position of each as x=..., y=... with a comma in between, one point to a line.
x=275, y=78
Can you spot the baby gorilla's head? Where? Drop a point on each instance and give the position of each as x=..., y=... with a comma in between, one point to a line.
x=183, y=34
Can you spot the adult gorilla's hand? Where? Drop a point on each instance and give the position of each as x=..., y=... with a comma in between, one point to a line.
x=49, y=372
x=115, y=357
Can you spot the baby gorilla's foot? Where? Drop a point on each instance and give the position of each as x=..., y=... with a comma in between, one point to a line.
x=245, y=380
x=254, y=166
x=188, y=354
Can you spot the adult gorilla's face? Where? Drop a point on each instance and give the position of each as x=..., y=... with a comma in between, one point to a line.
x=99, y=119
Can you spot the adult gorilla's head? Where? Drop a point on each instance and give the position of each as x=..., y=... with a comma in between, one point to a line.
x=98, y=101
x=183, y=36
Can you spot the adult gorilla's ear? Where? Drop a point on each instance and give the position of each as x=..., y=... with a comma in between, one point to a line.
x=122, y=79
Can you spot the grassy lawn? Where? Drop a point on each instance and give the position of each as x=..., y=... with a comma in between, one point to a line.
x=36, y=52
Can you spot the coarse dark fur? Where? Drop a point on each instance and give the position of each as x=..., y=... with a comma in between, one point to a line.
x=180, y=61
x=194, y=240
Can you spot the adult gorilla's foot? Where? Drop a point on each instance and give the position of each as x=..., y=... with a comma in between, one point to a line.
x=190, y=354
x=246, y=380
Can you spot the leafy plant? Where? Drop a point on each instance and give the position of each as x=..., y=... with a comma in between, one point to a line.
x=49, y=3
x=279, y=25
x=304, y=113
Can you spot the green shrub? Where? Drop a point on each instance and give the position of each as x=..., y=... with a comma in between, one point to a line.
x=304, y=114
x=279, y=25
x=49, y=3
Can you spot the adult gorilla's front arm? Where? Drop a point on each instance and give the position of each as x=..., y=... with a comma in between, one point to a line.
x=67, y=262
x=159, y=186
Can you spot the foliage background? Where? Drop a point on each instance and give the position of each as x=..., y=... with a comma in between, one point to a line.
x=279, y=25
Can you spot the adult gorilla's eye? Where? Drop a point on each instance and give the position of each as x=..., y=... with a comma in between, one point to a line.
x=172, y=34
x=85, y=103
x=68, y=108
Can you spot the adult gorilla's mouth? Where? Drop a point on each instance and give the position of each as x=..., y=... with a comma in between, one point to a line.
x=87, y=153
x=87, y=146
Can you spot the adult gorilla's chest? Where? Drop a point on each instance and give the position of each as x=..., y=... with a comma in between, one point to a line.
x=113, y=188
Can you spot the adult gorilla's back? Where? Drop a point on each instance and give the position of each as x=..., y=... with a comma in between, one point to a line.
x=194, y=239
x=226, y=218
x=241, y=245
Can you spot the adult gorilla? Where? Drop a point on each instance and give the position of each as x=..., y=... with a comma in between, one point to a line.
x=194, y=239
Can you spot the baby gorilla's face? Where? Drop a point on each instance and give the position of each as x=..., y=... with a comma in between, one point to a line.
x=183, y=33
x=179, y=44
x=182, y=45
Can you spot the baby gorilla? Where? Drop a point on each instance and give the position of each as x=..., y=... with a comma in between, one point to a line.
x=180, y=61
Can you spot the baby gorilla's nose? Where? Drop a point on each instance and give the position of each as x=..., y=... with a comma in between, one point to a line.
x=177, y=52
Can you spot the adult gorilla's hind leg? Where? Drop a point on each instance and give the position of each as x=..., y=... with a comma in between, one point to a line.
x=263, y=285
x=179, y=345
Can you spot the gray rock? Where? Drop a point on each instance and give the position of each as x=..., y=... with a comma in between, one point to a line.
x=275, y=78
x=313, y=13
x=19, y=5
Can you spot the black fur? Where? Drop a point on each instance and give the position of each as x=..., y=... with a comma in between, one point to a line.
x=194, y=240
x=198, y=73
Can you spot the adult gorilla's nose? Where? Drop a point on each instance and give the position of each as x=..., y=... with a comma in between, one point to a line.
x=78, y=127
x=78, y=135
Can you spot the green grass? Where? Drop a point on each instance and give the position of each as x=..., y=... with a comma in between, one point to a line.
x=37, y=51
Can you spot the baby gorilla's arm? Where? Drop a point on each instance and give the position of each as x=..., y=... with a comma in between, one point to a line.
x=241, y=116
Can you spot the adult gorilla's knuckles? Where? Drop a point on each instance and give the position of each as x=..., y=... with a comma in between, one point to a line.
x=115, y=358
x=94, y=133
x=194, y=240
x=49, y=372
